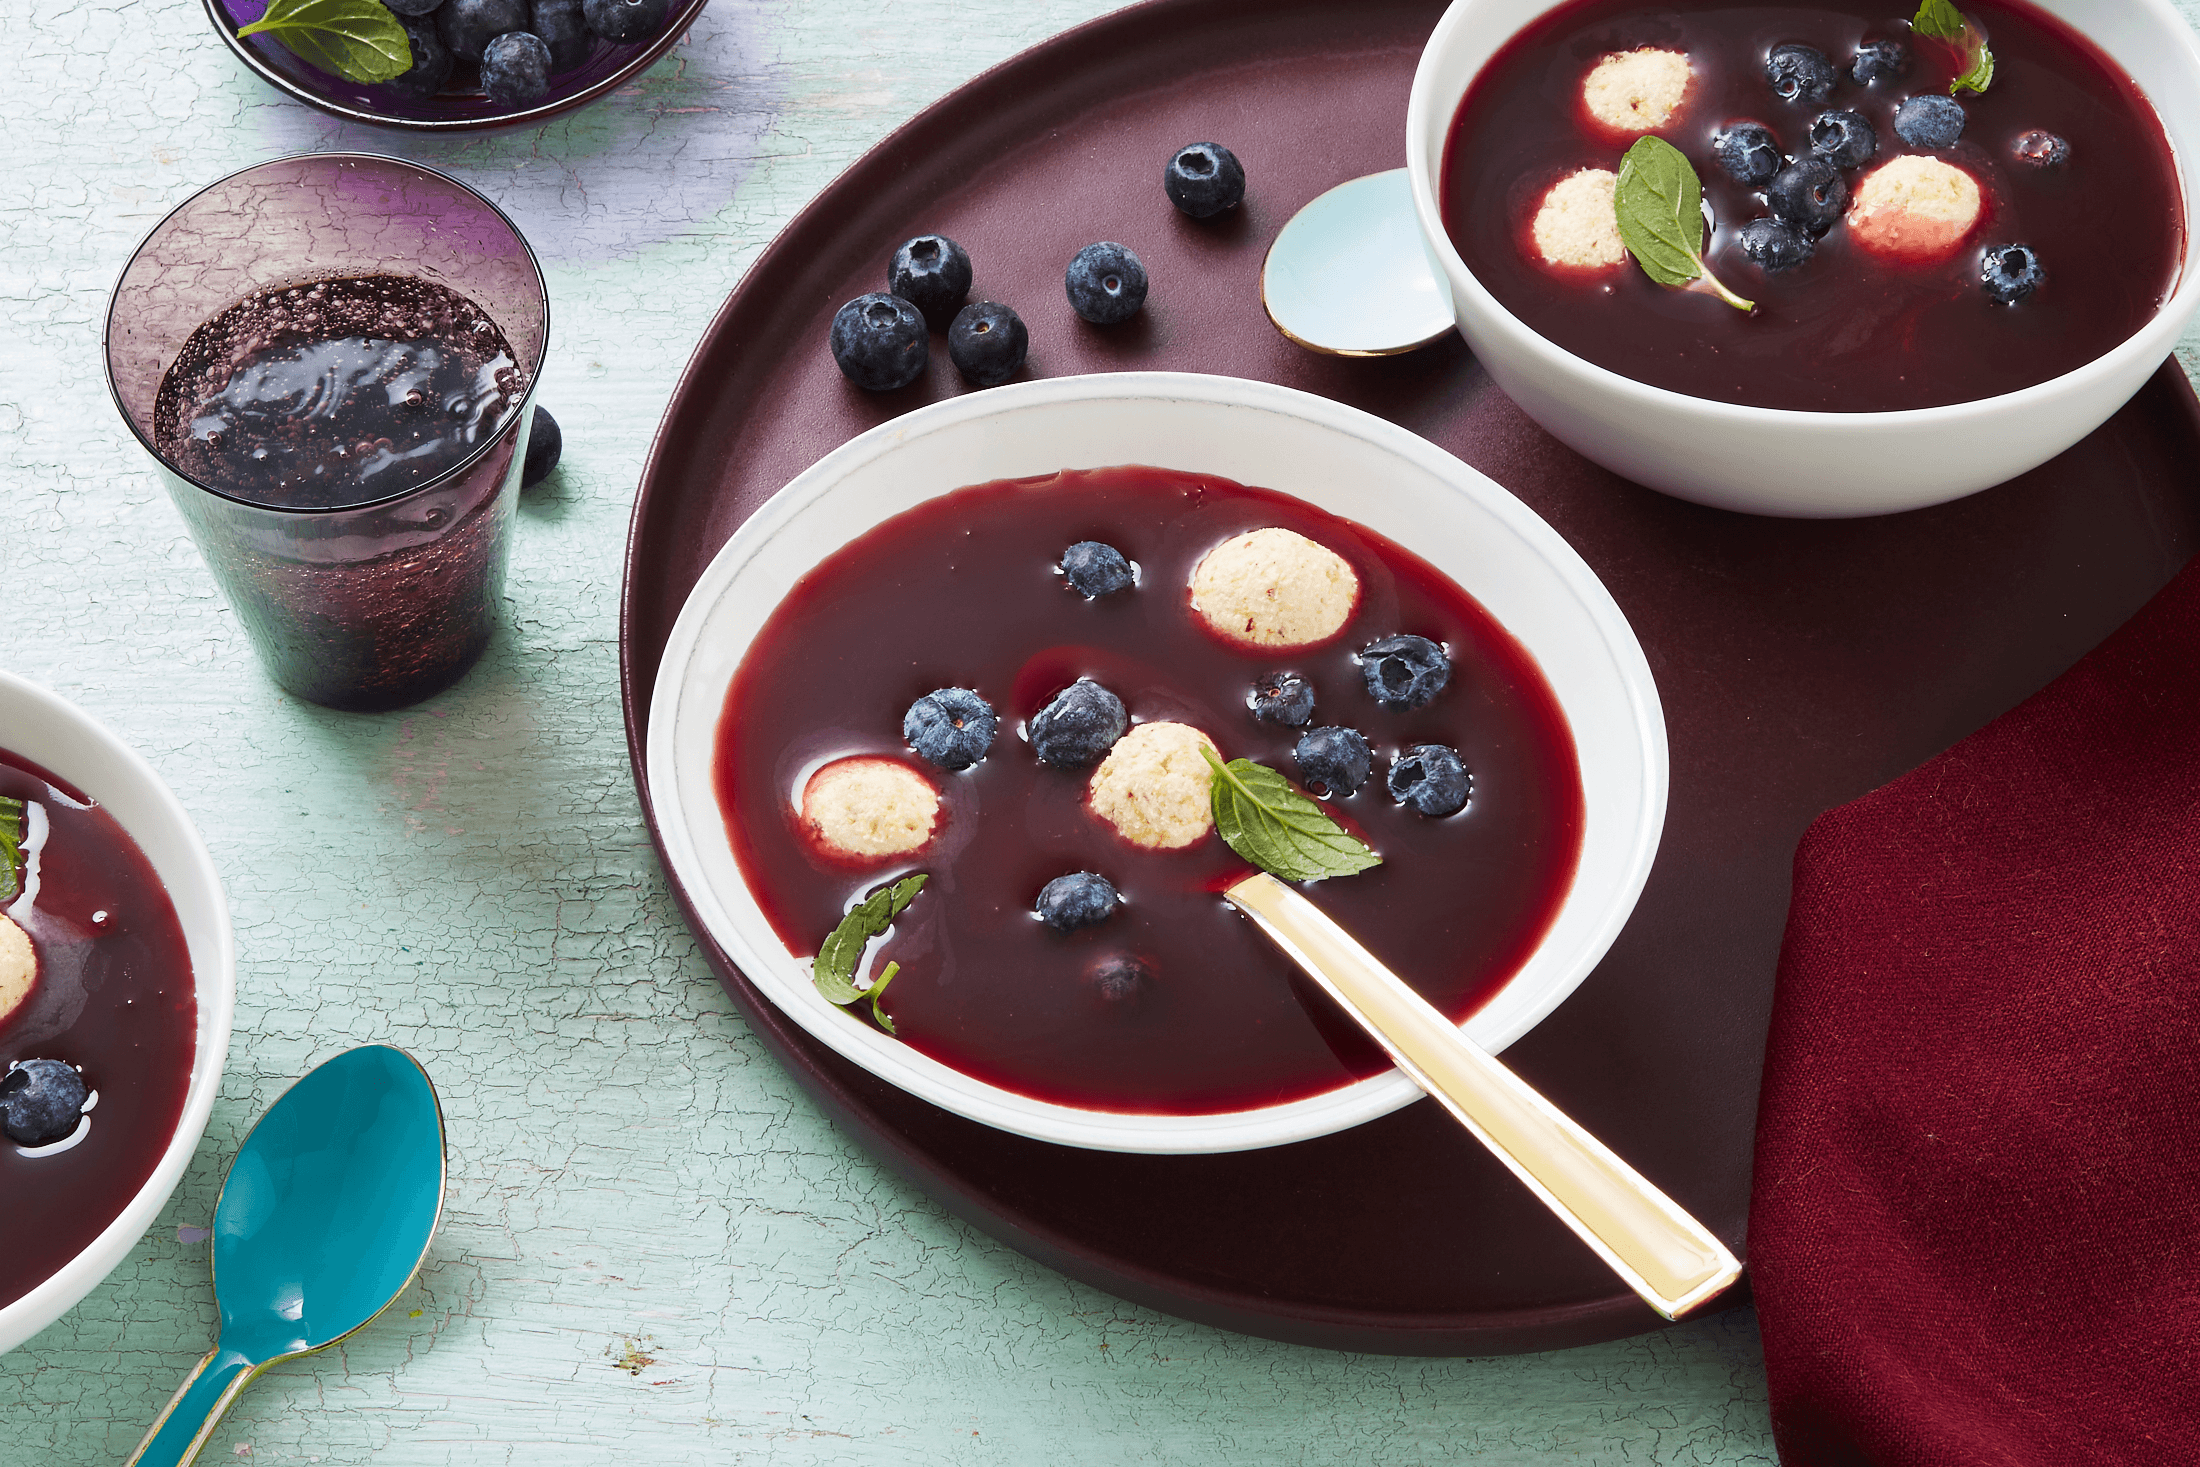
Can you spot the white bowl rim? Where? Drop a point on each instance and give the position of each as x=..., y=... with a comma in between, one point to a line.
x=2155, y=339
x=1012, y=1111
x=216, y=994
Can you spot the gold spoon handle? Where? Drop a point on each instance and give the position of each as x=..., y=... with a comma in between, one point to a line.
x=1673, y=1261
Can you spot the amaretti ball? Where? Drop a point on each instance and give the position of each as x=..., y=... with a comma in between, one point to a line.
x=1155, y=787
x=1274, y=588
x=867, y=807
x=18, y=967
x=1577, y=228
x=1914, y=206
x=1636, y=91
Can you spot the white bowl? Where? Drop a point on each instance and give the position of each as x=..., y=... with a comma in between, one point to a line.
x=1714, y=452
x=54, y=733
x=1337, y=458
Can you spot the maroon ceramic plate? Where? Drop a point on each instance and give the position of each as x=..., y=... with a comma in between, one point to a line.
x=1801, y=663
x=462, y=106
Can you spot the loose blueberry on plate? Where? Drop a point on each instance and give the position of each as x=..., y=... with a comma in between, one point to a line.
x=432, y=60
x=1799, y=73
x=1095, y=568
x=2037, y=149
x=1204, y=179
x=2010, y=273
x=1809, y=195
x=468, y=26
x=1749, y=153
x=1404, y=671
x=1080, y=899
x=1843, y=138
x=1282, y=697
x=545, y=444
x=1930, y=121
x=1120, y=978
x=1878, y=61
x=987, y=343
x=1429, y=778
x=1333, y=760
x=1774, y=244
x=515, y=68
x=564, y=29
x=1106, y=283
x=624, y=20
x=951, y=727
x=880, y=342
x=40, y=1100
x=932, y=272
x=1079, y=727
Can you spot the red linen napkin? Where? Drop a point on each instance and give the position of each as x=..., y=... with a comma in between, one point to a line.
x=1975, y=1226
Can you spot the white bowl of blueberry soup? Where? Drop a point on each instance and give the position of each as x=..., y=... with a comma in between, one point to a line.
x=957, y=742
x=1824, y=259
x=117, y=987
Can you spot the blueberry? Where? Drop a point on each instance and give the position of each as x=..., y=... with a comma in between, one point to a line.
x=1106, y=284
x=1878, y=61
x=987, y=343
x=932, y=272
x=544, y=444
x=1799, y=73
x=1282, y=697
x=2038, y=149
x=468, y=26
x=1809, y=195
x=1930, y=121
x=952, y=727
x=1404, y=671
x=2010, y=273
x=40, y=1100
x=1749, y=153
x=1080, y=899
x=880, y=342
x=515, y=69
x=564, y=30
x=1843, y=138
x=1204, y=179
x=1079, y=726
x=1120, y=978
x=1430, y=779
x=1096, y=569
x=1775, y=245
x=411, y=7
x=1336, y=760
x=432, y=61
x=624, y=20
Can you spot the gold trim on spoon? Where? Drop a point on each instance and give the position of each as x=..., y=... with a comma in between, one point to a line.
x=1673, y=1261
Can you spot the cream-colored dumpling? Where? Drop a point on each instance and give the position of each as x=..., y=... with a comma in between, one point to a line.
x=1637, y=91
x=870, y=807
x=18, y=967
x=1274, y=588
x=1917, y=207
x=1578, y=226
x=1155, y=787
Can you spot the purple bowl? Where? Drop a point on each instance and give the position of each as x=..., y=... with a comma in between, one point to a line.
x=461, y=106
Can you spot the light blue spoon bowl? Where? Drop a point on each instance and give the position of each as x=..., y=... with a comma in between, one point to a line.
x=323, y=1221
x=1348, y=276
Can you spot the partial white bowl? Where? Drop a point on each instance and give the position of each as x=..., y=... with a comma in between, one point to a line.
x=52, y=732
x=1337, y=458
x=1714, y=452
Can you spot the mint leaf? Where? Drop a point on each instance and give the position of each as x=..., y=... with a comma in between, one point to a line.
x=1940, y=20
x=879, y=1015
x=835, y=969
x=1659, y=201
x=1979, y=75
x=358, y=40
x=11, y=847
x=1261, y=817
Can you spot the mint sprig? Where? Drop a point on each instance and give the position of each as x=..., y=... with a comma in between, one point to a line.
x=1940, y=20
x=11, y=847
x=1261, y=817
x=358, y=40
x=835, y=969
x=1660, y=204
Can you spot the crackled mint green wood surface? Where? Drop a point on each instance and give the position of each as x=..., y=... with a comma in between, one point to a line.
x=656, y=1250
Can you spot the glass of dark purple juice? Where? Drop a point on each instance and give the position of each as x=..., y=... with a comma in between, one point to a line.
x=333, y=359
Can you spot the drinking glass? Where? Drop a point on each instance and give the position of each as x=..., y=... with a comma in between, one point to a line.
x=368, y=605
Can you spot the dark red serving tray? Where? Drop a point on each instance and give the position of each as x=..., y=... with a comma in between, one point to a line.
x=1801, y=664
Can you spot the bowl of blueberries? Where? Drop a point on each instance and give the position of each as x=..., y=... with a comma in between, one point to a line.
x=449, y=65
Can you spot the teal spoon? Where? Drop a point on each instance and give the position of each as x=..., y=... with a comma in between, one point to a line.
x=324, y=1220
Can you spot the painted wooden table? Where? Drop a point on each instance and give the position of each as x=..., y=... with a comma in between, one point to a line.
x=656, y=1249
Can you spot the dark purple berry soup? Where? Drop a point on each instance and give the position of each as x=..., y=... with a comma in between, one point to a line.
x=1904, y=248
x=112, y=1009
x=1049, y=953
